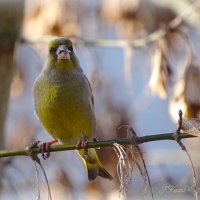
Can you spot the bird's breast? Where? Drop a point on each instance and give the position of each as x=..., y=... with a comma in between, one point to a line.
x=64, y=108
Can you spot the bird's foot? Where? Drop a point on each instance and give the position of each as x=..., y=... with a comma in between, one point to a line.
x=82, y=143
x=45, y=149
x=33, y=155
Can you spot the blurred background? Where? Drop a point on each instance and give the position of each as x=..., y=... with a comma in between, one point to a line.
x=142, y=69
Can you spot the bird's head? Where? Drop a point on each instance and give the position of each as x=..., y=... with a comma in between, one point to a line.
x=61, y=54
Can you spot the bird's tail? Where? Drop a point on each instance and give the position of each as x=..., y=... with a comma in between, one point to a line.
x=93, y=165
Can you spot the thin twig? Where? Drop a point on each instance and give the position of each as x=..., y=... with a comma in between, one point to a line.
x=143, y=161
x=107, y=143
x=47, y=182
x=180, y=126
x=195, y=189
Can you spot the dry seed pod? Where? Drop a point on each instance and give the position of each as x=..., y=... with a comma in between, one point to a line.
x=177, y=102
x=192, y=85
x=162, y=71
x=191, y=126
x=192, y=91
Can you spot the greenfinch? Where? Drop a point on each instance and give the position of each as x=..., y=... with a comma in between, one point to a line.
x=64, y=103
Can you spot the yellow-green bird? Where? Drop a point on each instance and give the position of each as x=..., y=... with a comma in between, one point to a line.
x=64, y=102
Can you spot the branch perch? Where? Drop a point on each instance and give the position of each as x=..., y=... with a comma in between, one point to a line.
x=108, y=143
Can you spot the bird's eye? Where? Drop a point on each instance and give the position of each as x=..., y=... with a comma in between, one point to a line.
x=52, y=50
x=70, y=48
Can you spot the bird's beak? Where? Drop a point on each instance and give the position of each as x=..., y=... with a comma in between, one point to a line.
x=63, y=53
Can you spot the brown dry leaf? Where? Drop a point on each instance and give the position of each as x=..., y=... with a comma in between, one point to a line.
x=162, y=72
x=192, y=83
x=135, y=18
x=175, y=41
x=191, y=92
x=177, y=102
x=191, y=126
x=52, y=18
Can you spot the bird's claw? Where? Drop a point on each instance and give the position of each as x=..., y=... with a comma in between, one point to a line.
x=82, y=143
x=33, y=155
x=45, y=150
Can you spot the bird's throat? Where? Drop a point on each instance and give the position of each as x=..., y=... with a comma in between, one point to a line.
x=64, y=65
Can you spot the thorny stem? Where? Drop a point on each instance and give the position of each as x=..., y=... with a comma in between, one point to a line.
x=108, y=143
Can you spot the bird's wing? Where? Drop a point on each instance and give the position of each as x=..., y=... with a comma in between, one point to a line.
x=92, y=97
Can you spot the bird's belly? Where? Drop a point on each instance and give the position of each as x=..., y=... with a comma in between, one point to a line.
x=67, y=119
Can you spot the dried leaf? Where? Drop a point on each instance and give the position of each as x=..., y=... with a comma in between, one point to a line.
x=187, y=95
x=162, y=72
x=191, y=126
x=123, y=164
x=192, y=111
x=194, y=177
x=146, y=173
x=63, y=21
x=192, y=82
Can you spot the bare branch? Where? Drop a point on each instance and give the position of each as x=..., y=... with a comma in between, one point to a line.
x=108, y=143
